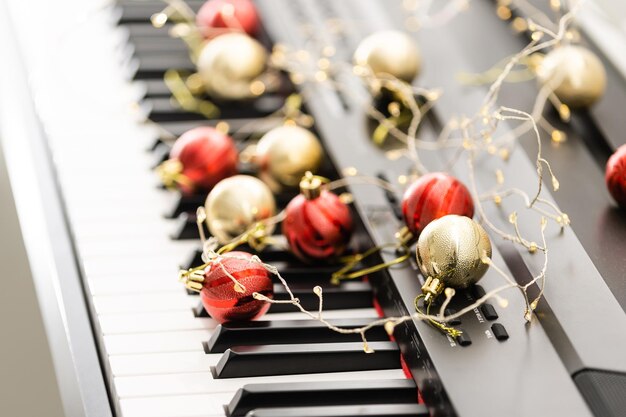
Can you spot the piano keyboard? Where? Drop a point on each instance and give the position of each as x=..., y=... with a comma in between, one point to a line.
x=150, y=331
x=97, y=79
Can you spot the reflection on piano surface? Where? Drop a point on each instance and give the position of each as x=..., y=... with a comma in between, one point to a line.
x=137, y=344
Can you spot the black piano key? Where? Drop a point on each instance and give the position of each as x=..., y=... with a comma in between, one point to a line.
x=161, y=154
x=146, y=30
x=298, y=274
x=265, y=360
x=373, y=410
x=277, y=257
x=141, y=11
x=285, y=260
x=350, y=295
x=186, y=227
x=199, y=310
x=392, y=198
x=194, y=259
x=243, y=126
x=280, y=332
x=313, y=394
x=156, y=87
x=163, y=109
x=158, y=46
x=178, y=128
x=347, y=296
x=154, y=66
x=184, y=203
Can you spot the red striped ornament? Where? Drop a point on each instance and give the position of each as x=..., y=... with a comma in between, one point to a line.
x=317, y=227
x=207, y=156
x=228, y=14
x=433, y=196
x=615, y=175
x=219, y=296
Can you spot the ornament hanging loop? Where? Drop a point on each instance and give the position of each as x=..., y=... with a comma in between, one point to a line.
x=353, y=260
x=449, y=330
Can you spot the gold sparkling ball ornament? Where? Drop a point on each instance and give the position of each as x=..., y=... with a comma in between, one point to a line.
x=389, y=52
x=230, y=64
x=236, y=204
x=286, y=153
x=575, y=74
x=451, y=252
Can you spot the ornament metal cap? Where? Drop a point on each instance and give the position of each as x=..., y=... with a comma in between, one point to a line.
x=405, y=236
x=432, y=288
x=193, y=279
x=311, y=186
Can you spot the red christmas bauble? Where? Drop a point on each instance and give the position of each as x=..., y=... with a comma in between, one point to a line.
x=433, y=196
x=319, y=227
x=219, y=296
x=206, y=157
x=616, y=175
x=232, y=14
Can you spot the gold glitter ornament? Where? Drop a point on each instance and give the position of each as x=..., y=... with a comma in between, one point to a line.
x=236, y=204
x=451, y=252
x=389, y=52
x=575, y=74
x=230, y=64
x=286, y=153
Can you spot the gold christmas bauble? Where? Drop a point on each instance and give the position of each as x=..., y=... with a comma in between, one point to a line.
x=451, y=250
x=286, y=153
x=575, y=74
x=229, y=64
x=389, y=52
x=237, y=203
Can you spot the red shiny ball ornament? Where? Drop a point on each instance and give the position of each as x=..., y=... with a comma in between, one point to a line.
x=232, y=14
x=318, y=226
x=206, y=156
x=615, y=175
x=433, y=196
x=219, y=296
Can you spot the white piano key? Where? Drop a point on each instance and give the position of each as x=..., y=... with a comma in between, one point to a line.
x=111, y=231
x=88, y=223
x=204, y=383
x=135, y=323
x=113, y=213
x=191, y=340
x=205, y=405
x=130, y=323
x=143, y=303
x=146, y=268
x=144, y=343
x=127, y=285
x=138, y=247
x=92, y=202
x=161, y=363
